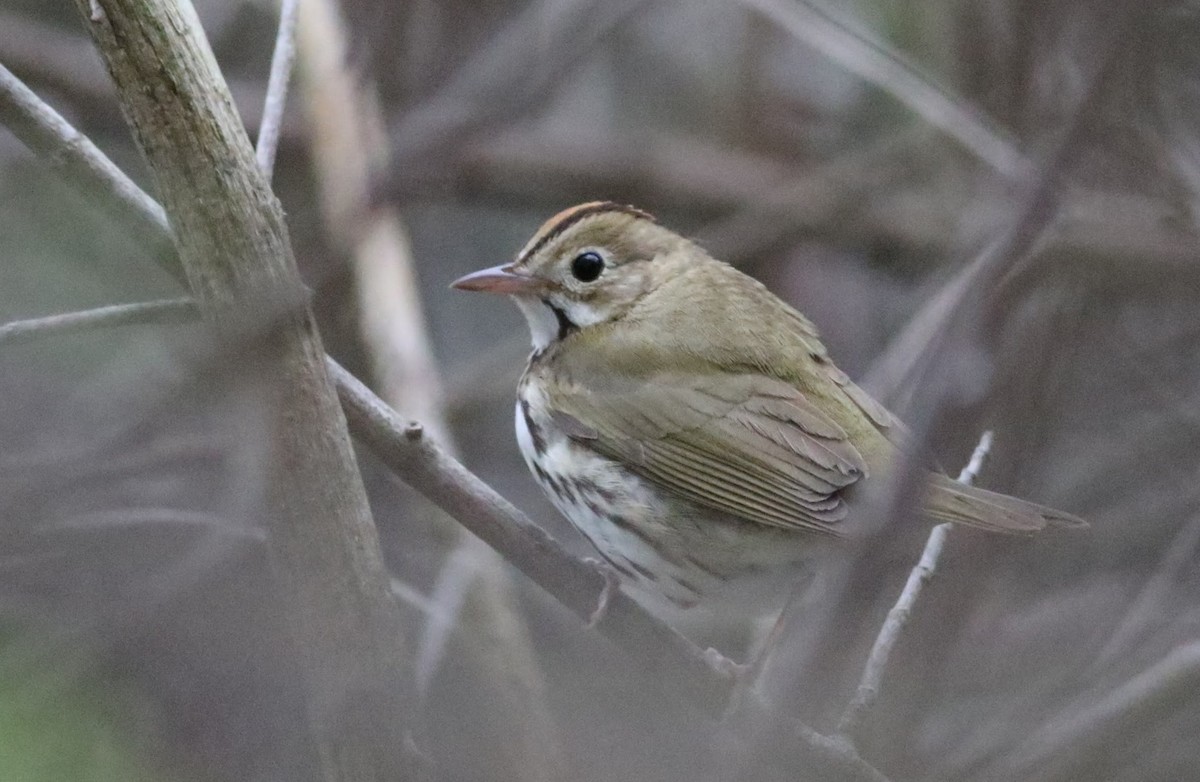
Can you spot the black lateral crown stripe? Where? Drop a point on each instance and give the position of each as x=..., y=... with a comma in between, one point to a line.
x=581, y=213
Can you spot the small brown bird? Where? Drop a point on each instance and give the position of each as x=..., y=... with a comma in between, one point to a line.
x=689, y=423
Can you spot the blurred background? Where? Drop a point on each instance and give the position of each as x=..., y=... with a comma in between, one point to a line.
x=854, y=157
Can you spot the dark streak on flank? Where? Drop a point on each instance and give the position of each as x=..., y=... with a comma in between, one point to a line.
x=625, y=524
x=622, y=569
x=535, y=432
x=577, y=214
x=549, y=481
x=590, y=486
x=645, y=572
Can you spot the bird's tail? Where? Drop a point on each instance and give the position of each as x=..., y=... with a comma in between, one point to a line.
x=949, y=500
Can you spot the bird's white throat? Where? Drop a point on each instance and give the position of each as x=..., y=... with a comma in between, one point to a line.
x=543, y=324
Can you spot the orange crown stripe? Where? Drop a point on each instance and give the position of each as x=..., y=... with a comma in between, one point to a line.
x=566, y=218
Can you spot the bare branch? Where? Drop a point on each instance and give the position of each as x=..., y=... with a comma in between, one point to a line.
x=455, y=579
x=759, y=738
x=974, y=465
x=66, y=62
x=73, y=157
x=348, y=143
x=234, y=246
x=579, y=585
x=277, y=88
x=813, y=198
x=140, y=313
x=871, y=683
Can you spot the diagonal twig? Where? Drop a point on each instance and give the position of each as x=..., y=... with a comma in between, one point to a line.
x=869, y=686
x=1178, y=556
x=72, y=156
x=277, y=88
x=579, y=585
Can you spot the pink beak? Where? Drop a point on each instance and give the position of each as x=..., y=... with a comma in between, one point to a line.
x=498, y=279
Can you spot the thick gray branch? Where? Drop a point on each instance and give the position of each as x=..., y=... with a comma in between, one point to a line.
x=237, y=258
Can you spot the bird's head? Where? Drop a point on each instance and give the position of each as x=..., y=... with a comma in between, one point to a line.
x=585, y=266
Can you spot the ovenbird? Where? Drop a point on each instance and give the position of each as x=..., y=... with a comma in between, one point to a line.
x=691, y=424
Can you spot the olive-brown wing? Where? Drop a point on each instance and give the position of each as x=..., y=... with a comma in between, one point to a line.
x=744, y=444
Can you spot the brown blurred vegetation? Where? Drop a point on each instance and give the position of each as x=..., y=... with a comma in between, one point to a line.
x=130, y=488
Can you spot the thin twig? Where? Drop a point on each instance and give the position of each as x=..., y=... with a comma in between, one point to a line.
x=871, y=683
x=874, y=61
x=829, y=188
x=1081, y=745
x=277, y=88
x=455, y=579
x=181, y=310
x=65, y=62
x=764, y=741
x=347, y=142
x=72, y=156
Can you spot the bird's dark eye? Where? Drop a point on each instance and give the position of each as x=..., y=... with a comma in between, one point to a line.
x=587, y=266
